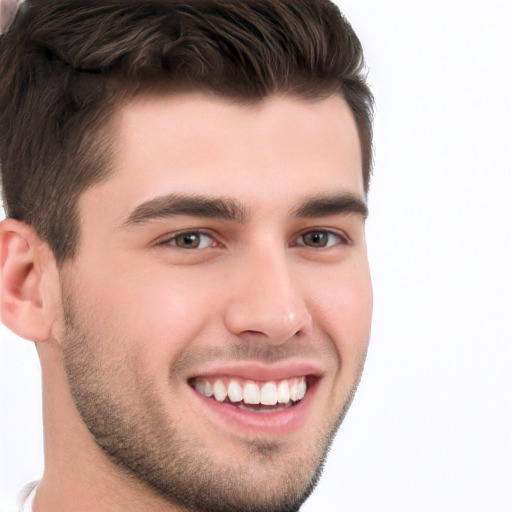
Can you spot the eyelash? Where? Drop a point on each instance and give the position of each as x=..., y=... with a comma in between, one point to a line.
x=171, y=240
x=340, y=239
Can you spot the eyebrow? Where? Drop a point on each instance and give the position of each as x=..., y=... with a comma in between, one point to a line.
x=229, y=209
x=332, y=204
x=191, y=205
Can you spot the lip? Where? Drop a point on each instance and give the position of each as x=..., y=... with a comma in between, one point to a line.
x=242, y=422
x=258, y=371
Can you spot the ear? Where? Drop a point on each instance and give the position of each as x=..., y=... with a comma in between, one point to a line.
x=28, y=281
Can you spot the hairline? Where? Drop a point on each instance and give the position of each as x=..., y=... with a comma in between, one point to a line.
x=107, y=128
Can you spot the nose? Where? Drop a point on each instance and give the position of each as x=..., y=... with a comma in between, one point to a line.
x=266, y=300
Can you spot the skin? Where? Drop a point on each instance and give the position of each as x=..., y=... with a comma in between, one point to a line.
x=123, y=327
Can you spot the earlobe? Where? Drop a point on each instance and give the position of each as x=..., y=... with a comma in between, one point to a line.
x=26, y=306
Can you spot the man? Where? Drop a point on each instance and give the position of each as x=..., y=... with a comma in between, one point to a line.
x=185, y=185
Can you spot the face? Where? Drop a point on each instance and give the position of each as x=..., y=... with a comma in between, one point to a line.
x=218, y=311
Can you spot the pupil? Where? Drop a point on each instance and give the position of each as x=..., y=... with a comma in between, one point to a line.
x=189, y=240
x=317, y=239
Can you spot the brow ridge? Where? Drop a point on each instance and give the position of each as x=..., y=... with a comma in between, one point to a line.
x=172, y=205
x=230, y=209
x=331, y=204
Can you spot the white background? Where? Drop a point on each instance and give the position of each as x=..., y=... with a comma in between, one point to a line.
x=431, y=427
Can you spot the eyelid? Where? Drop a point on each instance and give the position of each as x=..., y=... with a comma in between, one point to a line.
x=165, y=240
x=344, y=239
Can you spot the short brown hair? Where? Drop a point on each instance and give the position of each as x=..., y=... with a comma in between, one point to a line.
x=65, y=66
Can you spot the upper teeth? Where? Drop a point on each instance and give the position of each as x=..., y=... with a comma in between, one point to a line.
x=251, y=392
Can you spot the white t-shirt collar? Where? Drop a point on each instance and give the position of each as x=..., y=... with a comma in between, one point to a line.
x=26, y=497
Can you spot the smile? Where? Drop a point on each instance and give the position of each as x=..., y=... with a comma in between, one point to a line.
x=253, y=395
x=252, y=399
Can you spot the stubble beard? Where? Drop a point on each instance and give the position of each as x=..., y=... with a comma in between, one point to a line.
x=134, y=430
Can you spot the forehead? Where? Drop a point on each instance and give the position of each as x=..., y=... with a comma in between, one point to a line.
x=263, y=153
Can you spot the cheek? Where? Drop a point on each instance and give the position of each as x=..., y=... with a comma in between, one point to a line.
x=343, y=311
x=345, y=307
x=155, y=315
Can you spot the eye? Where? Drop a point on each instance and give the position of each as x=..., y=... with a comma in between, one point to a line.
x=189, y=240
x=321, y=239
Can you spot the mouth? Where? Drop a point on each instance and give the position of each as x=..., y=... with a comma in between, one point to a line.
x=255, y=396
x=246, y=399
